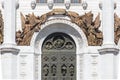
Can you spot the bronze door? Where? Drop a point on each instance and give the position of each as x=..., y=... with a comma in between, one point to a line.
x=59, y=57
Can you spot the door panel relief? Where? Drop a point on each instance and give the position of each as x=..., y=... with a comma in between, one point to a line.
x=59, y=57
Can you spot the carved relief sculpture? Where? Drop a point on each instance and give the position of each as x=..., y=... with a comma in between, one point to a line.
x=32, y=23
x=58, y=42
x=46, y=70
x=71, y=70
x=59, y=62
x=53, y=70
x=116, y=28
x=1, y=28
x=63, y=70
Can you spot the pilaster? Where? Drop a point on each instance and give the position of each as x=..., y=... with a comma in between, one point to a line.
x=108, y=22
x=9, y=21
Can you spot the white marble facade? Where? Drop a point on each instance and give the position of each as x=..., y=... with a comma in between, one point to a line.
x=93, y=62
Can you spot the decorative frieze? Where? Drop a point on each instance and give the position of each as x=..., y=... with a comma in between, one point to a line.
x=32, y=23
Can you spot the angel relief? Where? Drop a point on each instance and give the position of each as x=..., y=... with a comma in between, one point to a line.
x=32, y=23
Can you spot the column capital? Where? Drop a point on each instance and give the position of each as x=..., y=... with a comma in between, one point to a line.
x=108, y=50
x=17, y=4
x=9, y=49
x=101, y=5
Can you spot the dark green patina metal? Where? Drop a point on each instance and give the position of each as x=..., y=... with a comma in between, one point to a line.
x=59, y=57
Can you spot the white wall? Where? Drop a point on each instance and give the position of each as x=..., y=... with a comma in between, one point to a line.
x=26, y=64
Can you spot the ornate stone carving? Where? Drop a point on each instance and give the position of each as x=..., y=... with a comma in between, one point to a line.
x=48, y=45
x=32, y=23
x=117, y=28
x=58, y=42
x=1, y=28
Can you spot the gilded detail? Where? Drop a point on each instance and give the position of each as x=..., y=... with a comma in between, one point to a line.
x=32, y=23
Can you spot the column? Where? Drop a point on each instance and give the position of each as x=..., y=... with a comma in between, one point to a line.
x=108, y=22
x=9, y=21
x=109, y=51
x=8, y=49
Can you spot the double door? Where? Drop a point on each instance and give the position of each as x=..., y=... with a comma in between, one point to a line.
x=59, y=66
x=58, y=58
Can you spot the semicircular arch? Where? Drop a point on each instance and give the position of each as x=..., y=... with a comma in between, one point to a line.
x=63, y=26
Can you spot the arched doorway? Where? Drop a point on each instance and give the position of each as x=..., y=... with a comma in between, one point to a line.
x=58, y=57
